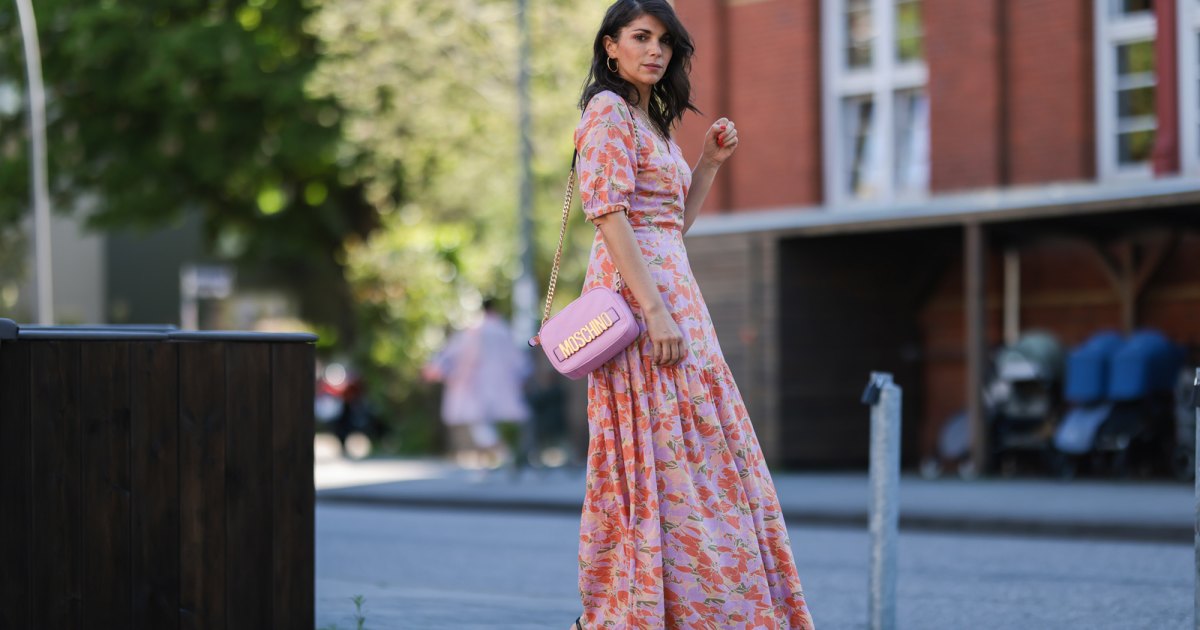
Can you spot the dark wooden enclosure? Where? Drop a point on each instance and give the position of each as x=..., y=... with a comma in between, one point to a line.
x=155, y=479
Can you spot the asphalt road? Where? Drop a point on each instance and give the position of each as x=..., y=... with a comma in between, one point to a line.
x=430, y=569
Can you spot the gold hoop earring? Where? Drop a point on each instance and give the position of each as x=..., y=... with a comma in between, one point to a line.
x=612, y=67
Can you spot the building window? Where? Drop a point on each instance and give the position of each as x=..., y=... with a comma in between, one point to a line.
x=912, y=142
x=1125, y=79
x=876, y=106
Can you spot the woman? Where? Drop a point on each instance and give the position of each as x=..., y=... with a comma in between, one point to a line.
x=681, y=526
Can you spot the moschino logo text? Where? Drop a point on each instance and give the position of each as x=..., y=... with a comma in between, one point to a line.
x=582, y=337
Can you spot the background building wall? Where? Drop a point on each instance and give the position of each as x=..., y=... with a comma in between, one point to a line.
x=760, y=67
x=78, y=274
x=1013, y=97
x=1051, y=91
x=1064, y=290
x=966, y=94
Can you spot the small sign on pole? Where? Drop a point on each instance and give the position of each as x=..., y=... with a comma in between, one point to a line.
x=201, y=282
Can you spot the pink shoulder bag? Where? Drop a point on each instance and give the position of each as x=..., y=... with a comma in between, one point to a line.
x=593, y=328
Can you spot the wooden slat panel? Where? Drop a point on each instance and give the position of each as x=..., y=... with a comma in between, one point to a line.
x=202, y=535
x=293, y=535
x=104, y=410
x=248, y=468
x=155, y=472
x=55, y=501
x=15, y=486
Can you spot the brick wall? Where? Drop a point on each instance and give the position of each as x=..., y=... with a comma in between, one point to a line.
x=963, y=53
x=1063, y=290
x=769, y=83
x=1050, y=91
x=1010, y=83
x=1012, y=103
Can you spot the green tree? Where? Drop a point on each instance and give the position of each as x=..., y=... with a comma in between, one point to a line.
x=162, y=108
x=429, y=90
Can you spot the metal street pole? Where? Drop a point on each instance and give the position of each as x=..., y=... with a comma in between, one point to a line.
x=1196, y=481
x=39, y=180
x=525, y=290
x=884, y=396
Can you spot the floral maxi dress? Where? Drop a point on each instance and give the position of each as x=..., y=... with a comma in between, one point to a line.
x=681, y=527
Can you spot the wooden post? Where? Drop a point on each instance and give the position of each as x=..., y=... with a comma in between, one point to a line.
x=976, y=344
x=767, y=322
x=1012, y=296
x=1132, y=268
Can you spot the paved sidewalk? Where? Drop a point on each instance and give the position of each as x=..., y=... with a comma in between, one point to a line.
x=1122, y=510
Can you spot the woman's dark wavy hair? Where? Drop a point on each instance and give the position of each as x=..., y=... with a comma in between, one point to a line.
x=672, y=95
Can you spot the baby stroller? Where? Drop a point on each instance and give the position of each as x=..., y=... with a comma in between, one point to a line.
x=1023, y=401
x=1086, y=390
x=1132, y=420
x=953, y=450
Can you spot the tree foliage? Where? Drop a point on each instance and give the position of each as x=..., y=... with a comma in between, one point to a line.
x=429, y=90
x=161, y=108
x=372, y=142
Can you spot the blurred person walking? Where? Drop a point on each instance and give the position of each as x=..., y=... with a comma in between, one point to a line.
x=681, y=526
x=484, y=371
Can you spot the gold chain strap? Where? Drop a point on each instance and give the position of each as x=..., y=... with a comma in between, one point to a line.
x=562, y=232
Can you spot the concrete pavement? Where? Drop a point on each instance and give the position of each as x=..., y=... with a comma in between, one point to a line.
x=437, y=569
x=1119, y=510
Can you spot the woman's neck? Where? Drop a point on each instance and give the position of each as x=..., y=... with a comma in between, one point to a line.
x=643, y=99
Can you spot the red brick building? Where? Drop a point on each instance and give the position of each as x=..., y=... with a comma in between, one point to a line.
x=920, y=180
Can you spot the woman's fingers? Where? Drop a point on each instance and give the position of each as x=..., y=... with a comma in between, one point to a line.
x=669, y=352
x=730, y=136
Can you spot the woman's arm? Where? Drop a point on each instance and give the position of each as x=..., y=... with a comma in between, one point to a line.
x=669, y=346
x=719, y=143
x=703, y=175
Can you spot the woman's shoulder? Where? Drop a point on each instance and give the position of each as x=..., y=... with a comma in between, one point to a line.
x=607, y=102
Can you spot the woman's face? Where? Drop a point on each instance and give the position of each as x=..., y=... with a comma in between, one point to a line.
x=642, y=51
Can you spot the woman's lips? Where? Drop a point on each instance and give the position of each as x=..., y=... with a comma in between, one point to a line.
x=654, y=67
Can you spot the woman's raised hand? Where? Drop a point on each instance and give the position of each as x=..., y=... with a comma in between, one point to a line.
x=720, y=141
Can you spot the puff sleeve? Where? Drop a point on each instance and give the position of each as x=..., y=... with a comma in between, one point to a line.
x=607, y=156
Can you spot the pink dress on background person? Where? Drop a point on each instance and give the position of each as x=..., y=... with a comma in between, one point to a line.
x=484, y=372
x=681, y=526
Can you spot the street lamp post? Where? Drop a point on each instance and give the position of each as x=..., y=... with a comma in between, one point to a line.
x=525, y=290
x=39, y=180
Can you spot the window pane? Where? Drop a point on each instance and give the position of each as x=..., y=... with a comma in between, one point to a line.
x=1125, y=7
x=910, y=42
x=1135, y=96
x=911, y=171
x=1134, y=147
x=859, y=144
x=1136, y=102
x=859, y=33
x=1135, y=58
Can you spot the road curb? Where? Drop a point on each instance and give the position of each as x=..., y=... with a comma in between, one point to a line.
x=934, y=523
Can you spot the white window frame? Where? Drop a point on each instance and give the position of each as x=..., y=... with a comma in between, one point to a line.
x=881, y=82
x=1113, y=29
x=1188, y=18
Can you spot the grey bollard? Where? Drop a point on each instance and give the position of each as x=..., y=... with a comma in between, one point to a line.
x=884, y=397
x=1196, y=534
